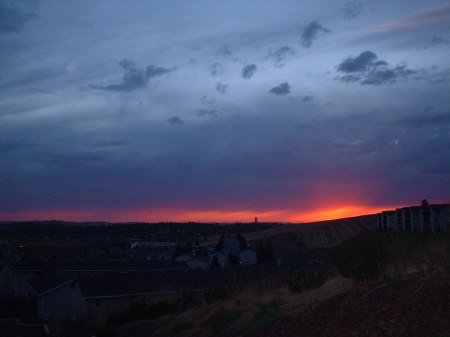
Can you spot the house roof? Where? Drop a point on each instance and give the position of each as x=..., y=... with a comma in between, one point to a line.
x=50, y=280
x=201, y=258
x=101, y=266
x=438, y=207
x=134, y=283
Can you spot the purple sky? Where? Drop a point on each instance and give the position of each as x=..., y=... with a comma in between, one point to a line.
x=142, y=109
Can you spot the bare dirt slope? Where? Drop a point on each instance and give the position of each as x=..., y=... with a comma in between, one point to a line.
x=311, y=235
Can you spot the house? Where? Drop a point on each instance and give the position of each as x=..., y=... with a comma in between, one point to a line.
x=14, y=282
x=424, y=218
x=138, y=243
x=231, y=245
x=58, y=296
x=199, y=262
x=183, y=258
x=221, y=258
x=148, y=254
x=111, y=293
x=248, y=257
x=6, y=276
x=229, y=251
x=14, y=277
x=387, y=220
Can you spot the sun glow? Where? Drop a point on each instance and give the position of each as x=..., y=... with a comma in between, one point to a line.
x=200, y=215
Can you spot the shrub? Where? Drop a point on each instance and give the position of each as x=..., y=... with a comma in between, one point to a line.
x=221, y=318
x=307, y=278
x=186, y=301
x=141, y=310
x=363, y=257
x=216, y=294
x=181, y=326
x=266, y=314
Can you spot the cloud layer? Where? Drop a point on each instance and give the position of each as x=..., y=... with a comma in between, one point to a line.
x=265, y=114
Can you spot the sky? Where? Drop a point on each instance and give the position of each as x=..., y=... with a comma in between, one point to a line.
x=200, y=110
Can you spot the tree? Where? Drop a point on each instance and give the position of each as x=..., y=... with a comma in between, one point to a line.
x=214, y=263
x=182, y=248
x=264, y=251
x=232, y=259
x=219, y=245
x=242, y=242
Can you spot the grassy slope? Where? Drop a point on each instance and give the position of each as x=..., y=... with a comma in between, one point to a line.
x=411, y=299
x=243, y=303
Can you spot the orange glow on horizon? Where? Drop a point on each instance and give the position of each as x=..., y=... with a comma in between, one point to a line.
x=187, y=215
x=338, y=213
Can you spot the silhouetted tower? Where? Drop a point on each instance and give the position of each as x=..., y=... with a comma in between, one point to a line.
x=256, y=219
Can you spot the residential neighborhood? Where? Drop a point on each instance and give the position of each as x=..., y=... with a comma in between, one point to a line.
x=94, y=279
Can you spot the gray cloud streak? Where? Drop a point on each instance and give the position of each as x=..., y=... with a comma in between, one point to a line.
x=134, y=78
x=221, y=88
x=13, y=16
x=280, y=55
x=351, y=9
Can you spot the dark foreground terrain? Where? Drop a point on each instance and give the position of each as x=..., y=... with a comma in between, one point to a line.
x=417, y=307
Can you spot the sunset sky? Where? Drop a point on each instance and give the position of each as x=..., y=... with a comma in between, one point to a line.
x=202, y=110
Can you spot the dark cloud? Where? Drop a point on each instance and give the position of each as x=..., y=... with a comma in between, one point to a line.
x=225, y=51
x=209, y=101
x=216, y=69
x=280, y=55
x=282, y=89
x=425, y=120
x=380, y=77
x=126, y=64
x=306, y=99
x=360, y=63
x=435, y=41
x=206, y=112
x=221, y=88
x=154, y=71
x=175, y=121
x=311, y=33
x=351, y=9
x=440, y=76
x=134, y=78
x=249, y=70
x=13, y=16
x=367, y=69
